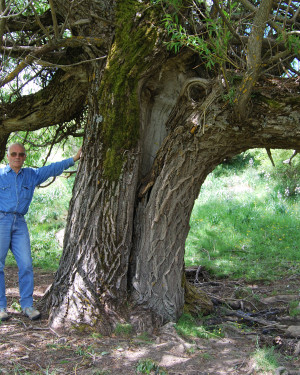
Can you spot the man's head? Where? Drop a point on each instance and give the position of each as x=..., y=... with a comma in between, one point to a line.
x=16, y=156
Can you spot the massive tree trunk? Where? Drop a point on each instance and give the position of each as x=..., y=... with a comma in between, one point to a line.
x=158, y=124
x=125, y=237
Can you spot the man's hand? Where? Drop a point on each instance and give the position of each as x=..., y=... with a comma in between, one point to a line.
x=77, y=156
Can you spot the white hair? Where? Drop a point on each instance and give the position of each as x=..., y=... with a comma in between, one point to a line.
x=16, y=144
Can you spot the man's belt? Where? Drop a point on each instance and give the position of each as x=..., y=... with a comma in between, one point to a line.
x=11, y=212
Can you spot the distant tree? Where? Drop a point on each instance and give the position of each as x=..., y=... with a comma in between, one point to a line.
x=170, y=89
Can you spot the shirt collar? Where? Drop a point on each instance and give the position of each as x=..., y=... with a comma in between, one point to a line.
x=9, y=169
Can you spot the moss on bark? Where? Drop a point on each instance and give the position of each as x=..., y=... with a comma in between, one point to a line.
x=196, y=301
x=118, y=94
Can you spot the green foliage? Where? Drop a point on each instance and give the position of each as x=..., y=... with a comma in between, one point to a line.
x=212, y=47
x=235, y=166
x=85, y=351
x=96, y=335
x=188, y=327
x=16, y=306
x=294, y=308
x=215, y=31
x=266, y=359
x=40, y=6
x=123, y=330
x=211, y=44
x=245, y=221
x=148, y=366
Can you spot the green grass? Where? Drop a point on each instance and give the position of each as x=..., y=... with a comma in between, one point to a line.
x=266, y=359
x=294, y=308
x=148, y=366
x=245, y=223
x=123, y=330
x=188, y=327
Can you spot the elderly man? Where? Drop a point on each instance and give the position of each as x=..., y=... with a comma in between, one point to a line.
x=17, y=185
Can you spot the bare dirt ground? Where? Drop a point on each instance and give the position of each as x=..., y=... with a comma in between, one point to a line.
x=250, y=316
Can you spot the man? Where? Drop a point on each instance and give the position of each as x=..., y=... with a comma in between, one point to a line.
x=17, y=185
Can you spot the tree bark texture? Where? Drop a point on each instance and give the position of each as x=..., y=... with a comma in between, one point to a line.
x=158, y=124
x=125, y=239
x=201, y=134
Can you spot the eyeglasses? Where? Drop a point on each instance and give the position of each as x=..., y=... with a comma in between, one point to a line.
x=20, y=154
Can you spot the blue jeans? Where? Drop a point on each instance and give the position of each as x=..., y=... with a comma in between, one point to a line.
x=14, y=236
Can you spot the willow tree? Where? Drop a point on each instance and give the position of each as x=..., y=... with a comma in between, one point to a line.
x=170, y=89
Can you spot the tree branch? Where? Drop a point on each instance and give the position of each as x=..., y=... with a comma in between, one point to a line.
x=224, y=18
x=54, y=19
x=61, y=101
x=38, y=21
x=254, y=49
x=2, y=21
x=28, y=23
x=38, y=52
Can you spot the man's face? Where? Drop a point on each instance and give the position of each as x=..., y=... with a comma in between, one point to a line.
x=16, y=157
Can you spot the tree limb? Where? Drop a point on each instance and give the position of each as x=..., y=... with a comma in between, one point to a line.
x=40, y=51
x=28, y=23
x=54, y=19
x=37, y=18
x=253, y=56
x=230, y=28
x=61, y=101
x=4, y=14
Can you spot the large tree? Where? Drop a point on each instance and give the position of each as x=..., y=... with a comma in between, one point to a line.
x=170, y=89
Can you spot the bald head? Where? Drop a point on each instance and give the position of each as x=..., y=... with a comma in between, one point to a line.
x=16, y=144
x=16, y=156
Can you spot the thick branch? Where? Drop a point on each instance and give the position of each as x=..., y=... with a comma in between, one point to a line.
x=254, y=56
x=62, y=100
x=38, y=52
x=29, y=23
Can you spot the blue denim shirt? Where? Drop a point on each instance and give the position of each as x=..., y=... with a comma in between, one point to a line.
x=16, y=190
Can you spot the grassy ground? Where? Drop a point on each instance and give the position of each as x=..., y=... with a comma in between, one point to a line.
x=245, y=224
x=246, y=220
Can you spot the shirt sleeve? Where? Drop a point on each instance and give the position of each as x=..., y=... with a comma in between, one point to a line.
x=52, y=170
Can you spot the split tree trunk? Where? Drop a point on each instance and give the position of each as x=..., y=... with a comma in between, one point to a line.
x=125, y=239
x=157, y=127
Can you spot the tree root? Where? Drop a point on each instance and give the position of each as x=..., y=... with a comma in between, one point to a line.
x=196, y=301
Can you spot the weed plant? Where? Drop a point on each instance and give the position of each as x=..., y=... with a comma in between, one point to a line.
x=148, y=366
x=294, y=308
x=246, y=221
x=188, y=327
x=123, y=330
x=266, y=359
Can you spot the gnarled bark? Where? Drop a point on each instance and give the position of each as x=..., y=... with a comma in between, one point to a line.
x=158, y=124
x=125, y=239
